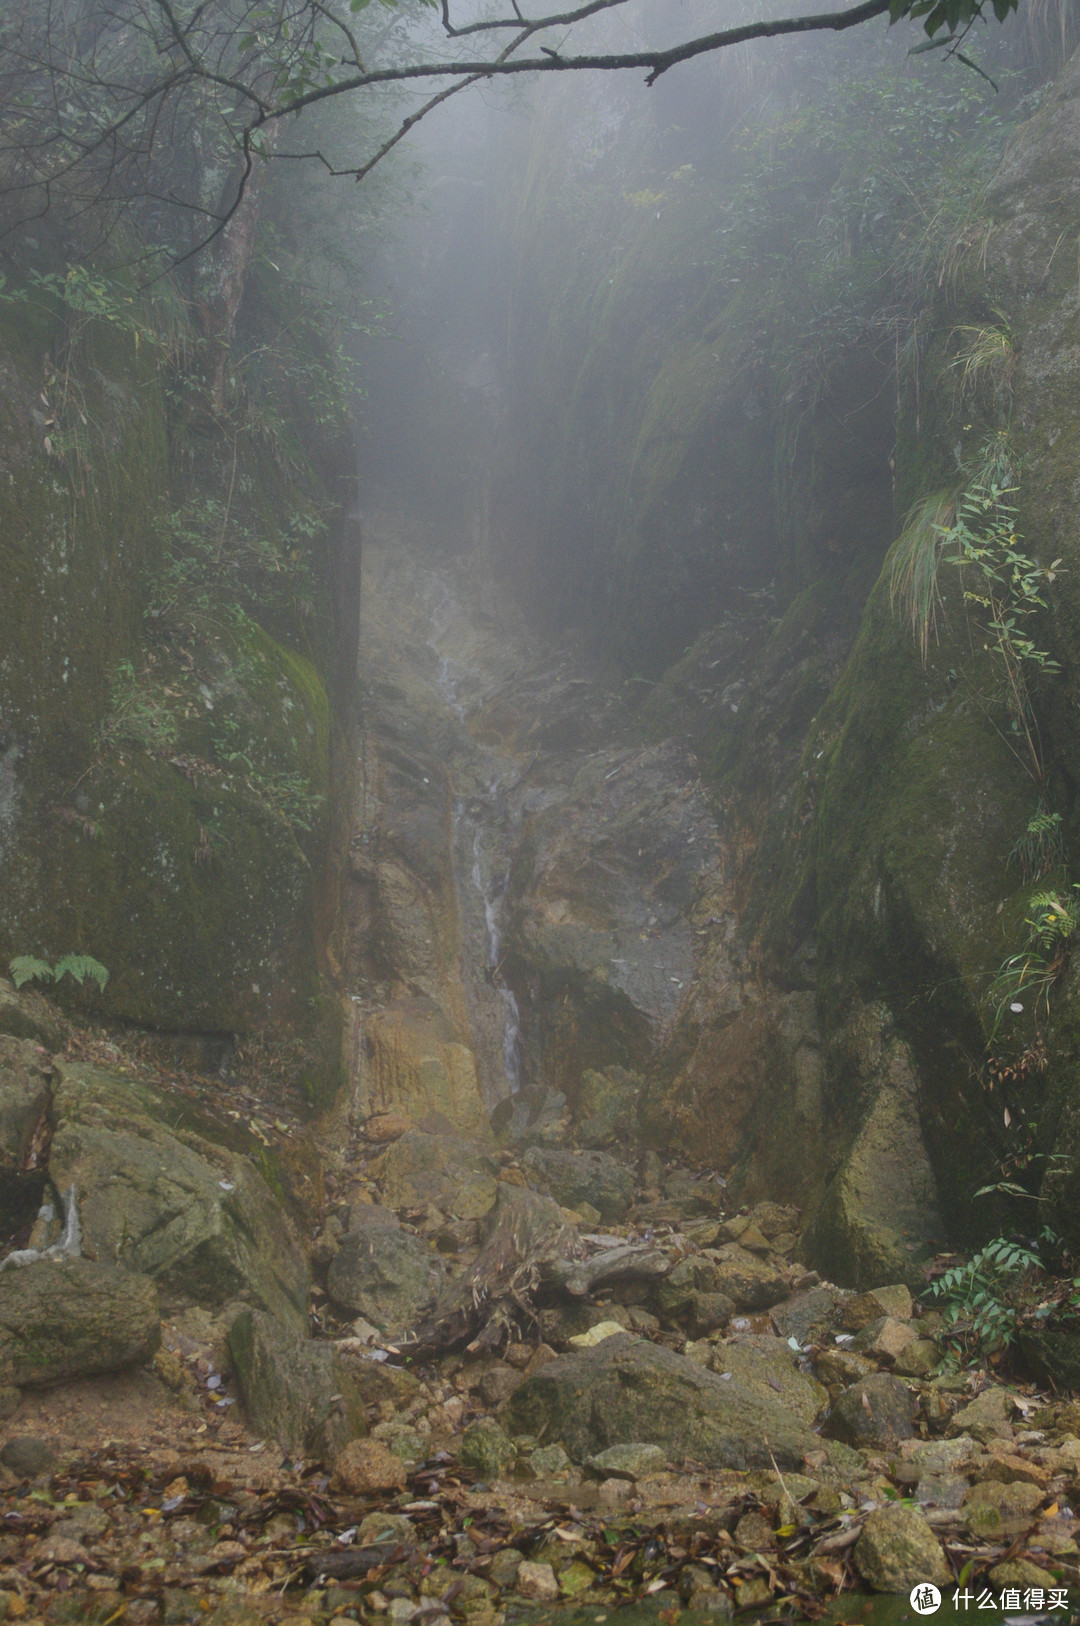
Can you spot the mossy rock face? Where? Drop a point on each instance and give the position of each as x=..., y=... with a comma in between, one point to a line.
x=165, y=781
x=215, y=942
x=895, y=850
x=77, y=538
x=879, y=1218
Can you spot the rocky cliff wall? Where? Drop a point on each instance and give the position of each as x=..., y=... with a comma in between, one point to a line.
x=179, y=626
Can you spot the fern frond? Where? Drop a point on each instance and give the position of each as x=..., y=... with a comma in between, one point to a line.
x=81, y=966
x=25, y=968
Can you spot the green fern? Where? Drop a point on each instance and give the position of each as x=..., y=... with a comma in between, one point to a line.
x=1040, y=849
x=81, y=966
x=25, y=968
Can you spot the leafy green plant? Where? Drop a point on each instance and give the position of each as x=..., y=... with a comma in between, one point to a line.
x=979, y=1298
x=1052, y=920
x=139, y=714
x=1007, y=587
x=1003, y=587
x=26, y=968
x=1040, y=850
x=290, y=796
x=1008, y=1187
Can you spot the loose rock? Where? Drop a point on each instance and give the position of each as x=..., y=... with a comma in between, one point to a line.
x=486, y=1449
x=876, y=1411
x=583, y=1177
x=537, y=1582
x=897, y=1548
x=627, y=1462
x=381, y=1272
x=365, y=1467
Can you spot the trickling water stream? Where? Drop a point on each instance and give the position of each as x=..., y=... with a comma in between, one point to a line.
x=483, y=818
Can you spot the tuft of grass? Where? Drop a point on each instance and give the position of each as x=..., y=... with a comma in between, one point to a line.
x=986, y=356
x=914, y=564
x=1041, y=848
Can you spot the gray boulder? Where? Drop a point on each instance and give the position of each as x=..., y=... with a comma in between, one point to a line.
x=455, y=1175
x=876, y=1411
x=168, y=1202
x=381, y=1272
x=582, y=1177
x=808, y=1315
x=74, y=1319
x=627, y=1389
x=677, y=1293
x=749, y=1282
x=297, y=1390
x=769, y=1368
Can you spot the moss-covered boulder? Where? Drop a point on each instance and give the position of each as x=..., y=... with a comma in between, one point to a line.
x=629, y=1390
x=879, y=1218
x=898, y=1549
x=485, y=1449
x=295, y=1389
x=178, y=1204
x=74, y=1319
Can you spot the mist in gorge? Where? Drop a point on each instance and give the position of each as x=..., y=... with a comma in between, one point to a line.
x=538, y=813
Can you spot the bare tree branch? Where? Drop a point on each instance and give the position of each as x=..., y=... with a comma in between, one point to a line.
x=115, y=101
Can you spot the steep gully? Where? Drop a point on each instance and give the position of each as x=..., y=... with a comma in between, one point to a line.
x=547, y=902
x=550, y=1366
